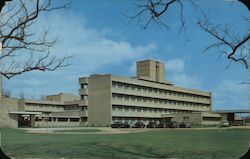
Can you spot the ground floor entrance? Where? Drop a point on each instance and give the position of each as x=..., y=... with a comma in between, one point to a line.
x=24, y=121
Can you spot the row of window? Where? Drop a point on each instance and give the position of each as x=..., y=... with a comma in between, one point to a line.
x=54, y=119
x=75, y=107
x=155, y=100
x=56, y=107
x=134, y=119
x=59, y=119
x=156, y=90
x=47, y=107
x=44, y=105
x=146, y=109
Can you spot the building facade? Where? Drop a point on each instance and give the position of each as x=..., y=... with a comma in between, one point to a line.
x=148, y=97
x=105, y=99
x=60, y=110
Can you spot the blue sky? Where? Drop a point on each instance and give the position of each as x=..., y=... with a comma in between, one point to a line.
x=98, y=35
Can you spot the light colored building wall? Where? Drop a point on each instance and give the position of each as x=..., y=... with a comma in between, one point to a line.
x=133, y=92
x=71, y=113
x=7, y=105
x=199, y=118
x=108, y=96
x=62, y=97
x=153, y=70
x=194, y=118
x=99, y=100
x=160, y=76
x=40, y=105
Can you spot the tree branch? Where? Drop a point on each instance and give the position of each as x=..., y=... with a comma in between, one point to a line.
x=22, y=50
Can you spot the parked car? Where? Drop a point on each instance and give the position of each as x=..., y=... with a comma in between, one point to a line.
x=237, y=123
x=160, y=125
x=172, y=124
x=116, y=125
x=139, y=124
x=224, y=123
x=185, y=125
x=125, y=125
x=151, y=124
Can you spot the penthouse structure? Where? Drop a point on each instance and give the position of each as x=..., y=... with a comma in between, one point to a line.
x=146, y=97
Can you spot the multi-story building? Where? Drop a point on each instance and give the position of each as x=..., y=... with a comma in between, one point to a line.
x=147, y=97
x=105, y=99
x=60, y=110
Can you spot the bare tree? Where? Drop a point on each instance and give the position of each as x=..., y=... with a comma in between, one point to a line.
x=22, y=49
x=235, y=46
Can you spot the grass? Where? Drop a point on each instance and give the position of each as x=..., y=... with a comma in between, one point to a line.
x=187, y=144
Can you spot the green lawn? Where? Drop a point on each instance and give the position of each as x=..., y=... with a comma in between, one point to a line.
x=80, y=130
x=190, y=144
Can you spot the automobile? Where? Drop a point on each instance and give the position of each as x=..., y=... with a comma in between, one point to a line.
x=125, y=125
x=224, y=123
x=151, y=124
x=172, y=124
x=237, y=123
x=160, y=125
x=139, y=124
x=184, y=125
x=116, y=125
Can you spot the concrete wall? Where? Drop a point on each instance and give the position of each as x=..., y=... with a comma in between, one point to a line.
x=154, y=70
x=99, y=100
x=63, y=97
x=6, y=119
x=194, y=118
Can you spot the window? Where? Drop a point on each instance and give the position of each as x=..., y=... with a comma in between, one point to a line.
x=63, y=119
x=155, y=90
x=132, y=87
x=84, y=86
x=83, y=97
x=139, y=88
x=74, y=119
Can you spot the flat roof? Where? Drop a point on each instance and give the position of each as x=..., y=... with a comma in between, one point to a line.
x=48, y=102
x=26, y=113
x=167, y=116
x=232, y=111
x=58, y=116
x=208, y=114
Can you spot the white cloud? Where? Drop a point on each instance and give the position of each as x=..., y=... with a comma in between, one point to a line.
x=231, y=95
x=175, y=65
x=175, y=73
x=93, y=49
x=186, y=81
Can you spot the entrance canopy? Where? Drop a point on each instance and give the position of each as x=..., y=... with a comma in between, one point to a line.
x=232, y=111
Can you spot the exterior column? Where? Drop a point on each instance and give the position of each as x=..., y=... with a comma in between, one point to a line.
x=32, y=120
